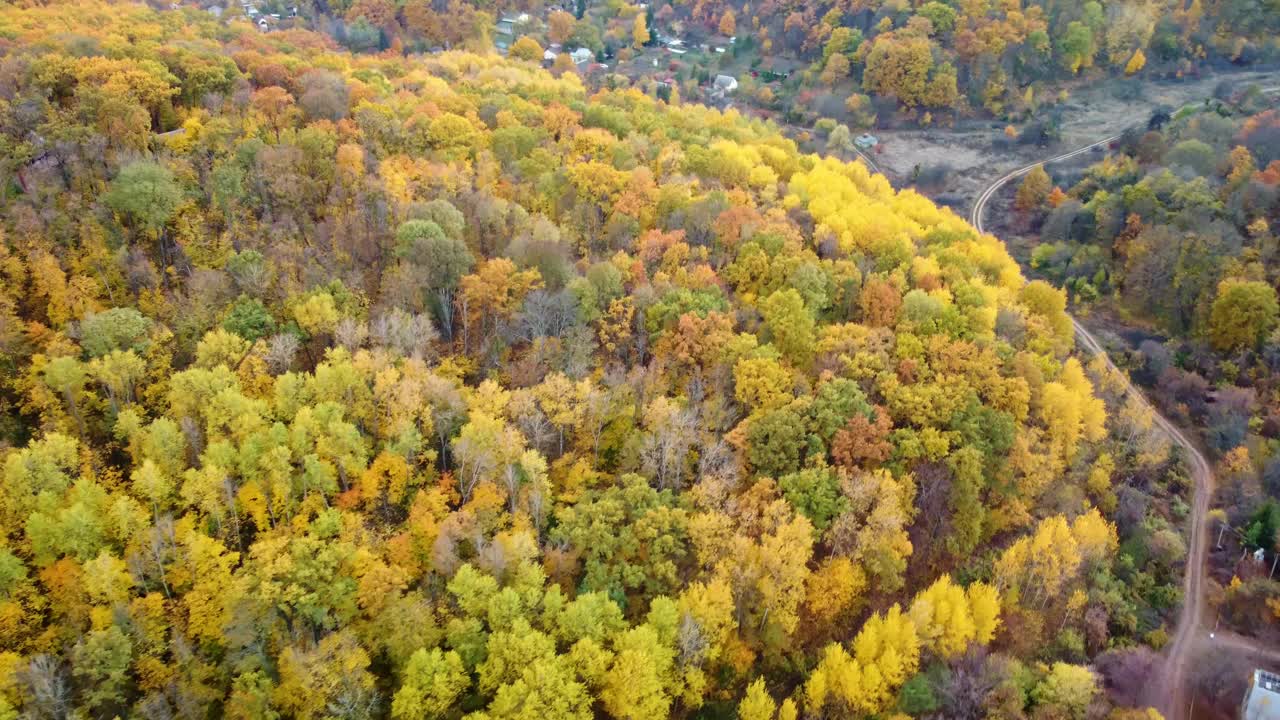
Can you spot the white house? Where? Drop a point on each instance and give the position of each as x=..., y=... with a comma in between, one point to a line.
x=581, y=55
x=726, y=83
x=1262, y=699
x=549, y=55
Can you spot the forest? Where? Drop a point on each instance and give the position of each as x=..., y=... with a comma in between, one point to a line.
x=856, y=62
x=1173, y=231
x=342, y=385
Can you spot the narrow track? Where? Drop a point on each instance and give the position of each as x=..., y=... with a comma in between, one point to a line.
x=1169, y=690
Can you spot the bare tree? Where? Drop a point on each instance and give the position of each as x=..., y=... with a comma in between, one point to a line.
x=47, y=689
x=281, y=350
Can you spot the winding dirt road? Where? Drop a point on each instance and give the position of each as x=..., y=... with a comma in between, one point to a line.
x=1169, y=691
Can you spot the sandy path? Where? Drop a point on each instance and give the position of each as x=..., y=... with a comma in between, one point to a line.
x=1170, y=687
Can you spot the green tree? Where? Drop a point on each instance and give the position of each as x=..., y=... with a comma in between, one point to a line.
x=791, y=325
x=1069, y=689
x=815, y=493
x=121, y=328
x=249, y=319
x=940, y=15
x=67, y=376
x=1261, y=531
x=101, y=662
x=146, y=193
x=432, y=682
x=1076, y=47
x=439, y=262
x=775, y=441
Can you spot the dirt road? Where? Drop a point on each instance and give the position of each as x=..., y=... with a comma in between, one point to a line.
x=1092, y=112
x=1170, y=689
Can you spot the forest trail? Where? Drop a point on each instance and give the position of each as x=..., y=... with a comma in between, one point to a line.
x=1169, y=691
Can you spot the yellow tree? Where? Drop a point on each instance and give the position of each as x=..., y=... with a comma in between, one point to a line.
x=1070, y=411
x=886, y=652
x=640, y=32
x=526, y=48
x=1034, y=189
x=757, y=705
x=948, y=617
x=728, y=23
x=1136, y=63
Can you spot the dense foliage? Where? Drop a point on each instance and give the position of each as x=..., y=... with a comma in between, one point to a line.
x=433, y=387
x=1175, y=230
x=851, y=61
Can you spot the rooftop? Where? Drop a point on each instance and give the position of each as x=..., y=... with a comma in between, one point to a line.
x=1268, y=681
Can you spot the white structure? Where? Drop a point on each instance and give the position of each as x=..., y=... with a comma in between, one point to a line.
x=866, y=141
x=726, y=83
x=549, y=55
x=1262, y=699
x=581, y=55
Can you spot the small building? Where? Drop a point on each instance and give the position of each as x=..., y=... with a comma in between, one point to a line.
x=504, y=34
x=549, y=55
x=726, y=83
x=1262, y=699
x=581, y=55
x=866, y=141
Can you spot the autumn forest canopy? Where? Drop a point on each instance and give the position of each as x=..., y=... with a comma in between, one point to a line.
x=395, y=385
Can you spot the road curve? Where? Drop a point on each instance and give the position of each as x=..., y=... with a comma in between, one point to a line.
x=1169, y=690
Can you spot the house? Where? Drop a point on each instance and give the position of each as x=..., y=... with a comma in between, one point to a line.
x=1262, y=699
x=721, y=87
x=866, y=141
x=549, y=55
x=581, y=55
x=726, y=83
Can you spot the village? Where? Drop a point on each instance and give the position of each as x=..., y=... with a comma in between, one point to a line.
x=711, y=68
